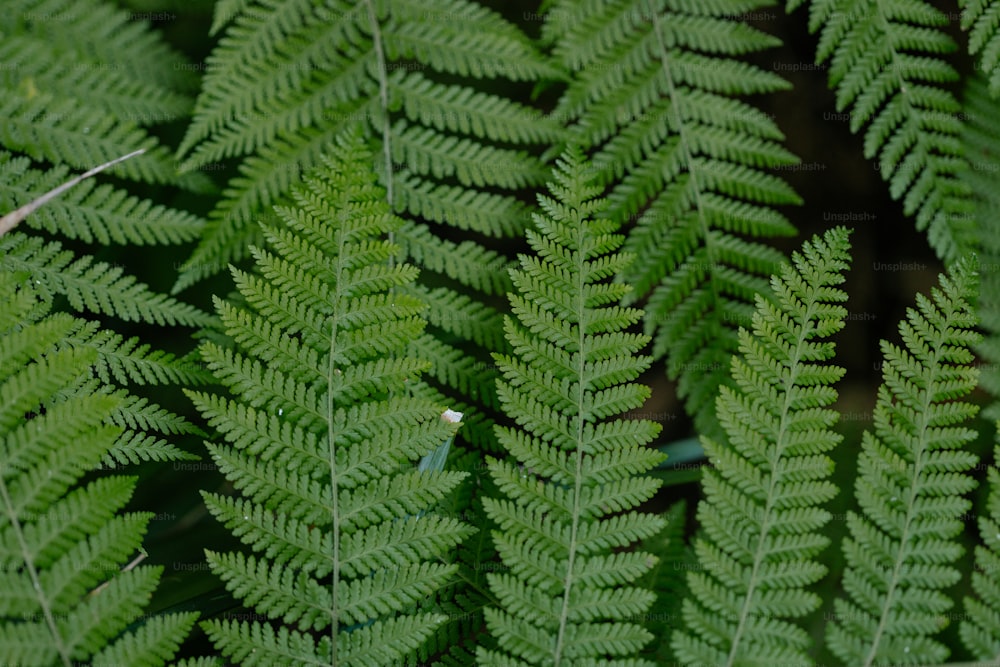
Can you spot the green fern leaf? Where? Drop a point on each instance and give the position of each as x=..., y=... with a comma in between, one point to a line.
x=572, y=500
x=652, y=95
x=453, y=154
x=762, y=511
x=981, y=142
x=64, y=598
x=129, y=360
x=980, y=628
x=912, y=475
x=285, y=105
x=322, y=441
x=886, y=66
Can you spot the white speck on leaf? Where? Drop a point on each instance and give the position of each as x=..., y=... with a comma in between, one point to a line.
x=281, y=411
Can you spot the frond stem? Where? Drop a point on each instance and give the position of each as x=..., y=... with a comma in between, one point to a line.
x=581, y=388
x=684, y=146
x=331, y=373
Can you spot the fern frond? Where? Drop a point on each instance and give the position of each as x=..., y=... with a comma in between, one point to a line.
x=912, y=474
x=887, y=67
x=322, y=442
x=89, y=212
x=453, y=152
x=762, y=511
x=91, y=286
x=286, y=104
x=572, y=498
x=653, y=96
x=980, y=627
x=65, y=598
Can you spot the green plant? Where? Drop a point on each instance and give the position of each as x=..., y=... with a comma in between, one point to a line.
x=72, y=586
x=496, y=194
x=567, y=499
x=319, y=438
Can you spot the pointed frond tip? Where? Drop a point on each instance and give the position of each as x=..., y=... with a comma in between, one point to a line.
x=349, y=545
x=570, y=501
x=913, y=474
x=770, y=477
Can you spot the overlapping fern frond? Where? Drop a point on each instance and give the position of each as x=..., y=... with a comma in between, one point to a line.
x=912, y=475
x=886, y=63
x=654, y=97
x=68, y=591
x=764, y=492
x=567, y=499
x=423, y=79
x=119, y=361
x=81, y=82
x=980, y=627
x=323, y=436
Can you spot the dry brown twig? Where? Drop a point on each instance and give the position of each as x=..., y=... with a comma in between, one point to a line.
x=9, y=221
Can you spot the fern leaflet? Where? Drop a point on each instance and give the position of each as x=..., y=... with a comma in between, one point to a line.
x=569, y=502
x=90, y=212
x=911, y=477
x=762, y=511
